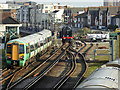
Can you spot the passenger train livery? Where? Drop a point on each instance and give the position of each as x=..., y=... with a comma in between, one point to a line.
x=19, y=51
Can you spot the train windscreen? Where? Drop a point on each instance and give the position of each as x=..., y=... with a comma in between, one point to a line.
x=9, y=48
x=21, y=49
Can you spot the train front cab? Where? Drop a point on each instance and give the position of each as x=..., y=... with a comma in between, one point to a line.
x=15, y=54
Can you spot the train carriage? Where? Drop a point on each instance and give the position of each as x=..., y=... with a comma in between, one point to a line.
x=20, y=50
x=106, y=77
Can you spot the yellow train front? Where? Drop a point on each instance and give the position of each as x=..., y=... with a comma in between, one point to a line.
x=67, y=34
x=15, y=53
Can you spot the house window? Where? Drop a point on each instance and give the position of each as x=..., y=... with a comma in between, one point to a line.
x=46, y=11
x=75, y=20
x=46, y=7
x=108, y=21
x=108, y=14
x=56, y=7
x=88, y=20
x=78, y=19
x=75, y=25
x=51, y=7
x=82, y=19
x=78, y=25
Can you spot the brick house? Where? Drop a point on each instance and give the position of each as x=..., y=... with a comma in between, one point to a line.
x=70, y=13
x=81, y=20
x=93, y=16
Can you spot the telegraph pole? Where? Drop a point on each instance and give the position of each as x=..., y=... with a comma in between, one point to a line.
x=56, y=30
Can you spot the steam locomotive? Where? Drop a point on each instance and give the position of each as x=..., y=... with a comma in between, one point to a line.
x=66, y=34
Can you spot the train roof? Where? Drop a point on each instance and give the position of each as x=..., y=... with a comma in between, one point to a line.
x=103, y=77
x=37, y=36
x=115, y=63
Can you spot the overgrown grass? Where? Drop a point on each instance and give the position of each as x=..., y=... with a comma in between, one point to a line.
x=102, y=57
x=92, y=67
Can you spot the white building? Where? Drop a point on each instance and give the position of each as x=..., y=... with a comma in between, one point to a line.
x=3, y=6
x=48, y=8
x=57, y=15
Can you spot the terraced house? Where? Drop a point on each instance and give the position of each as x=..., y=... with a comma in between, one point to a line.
x=96, y=17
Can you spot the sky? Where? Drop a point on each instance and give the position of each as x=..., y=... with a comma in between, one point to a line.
x=76, y=3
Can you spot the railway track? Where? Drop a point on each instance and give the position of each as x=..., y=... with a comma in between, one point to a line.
x=8, y=75
x=4, y=70
x=68, y=74
x=72, y=82
x=36, y=74
x=55, y=74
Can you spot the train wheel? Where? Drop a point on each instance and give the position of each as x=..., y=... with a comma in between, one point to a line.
x=26, y=63
x=37, y=57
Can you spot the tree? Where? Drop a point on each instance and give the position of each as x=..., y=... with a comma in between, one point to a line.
x=86, y=31
x=112, y=27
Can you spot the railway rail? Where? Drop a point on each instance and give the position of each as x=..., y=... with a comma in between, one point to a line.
x=60, y=79
x=37, y=74
x=4, y=70
x=32, y=72
x=71, y=82
x=8, y=75
x=68, y=74
x=55, y=74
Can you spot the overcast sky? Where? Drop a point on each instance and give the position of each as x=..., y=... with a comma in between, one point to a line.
x=77, y=3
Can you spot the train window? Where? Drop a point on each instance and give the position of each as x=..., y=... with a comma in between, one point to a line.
x=8, y=48
x=21, y=49
x=27, y=49
x=36, y=46
x=45, y=40
x=31, y=48
x=48, y=39
x=41, y=44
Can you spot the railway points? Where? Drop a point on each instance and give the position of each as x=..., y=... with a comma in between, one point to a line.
x=42, y=68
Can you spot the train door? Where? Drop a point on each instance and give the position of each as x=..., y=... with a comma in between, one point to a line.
x=36, y=48
x=28, y=51
x=39, y=49
x=14, y=52
x=31, y=49
x=41, y=44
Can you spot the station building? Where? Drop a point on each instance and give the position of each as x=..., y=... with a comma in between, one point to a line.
x=8, y=27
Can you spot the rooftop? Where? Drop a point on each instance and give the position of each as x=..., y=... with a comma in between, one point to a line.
x=8, y=20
